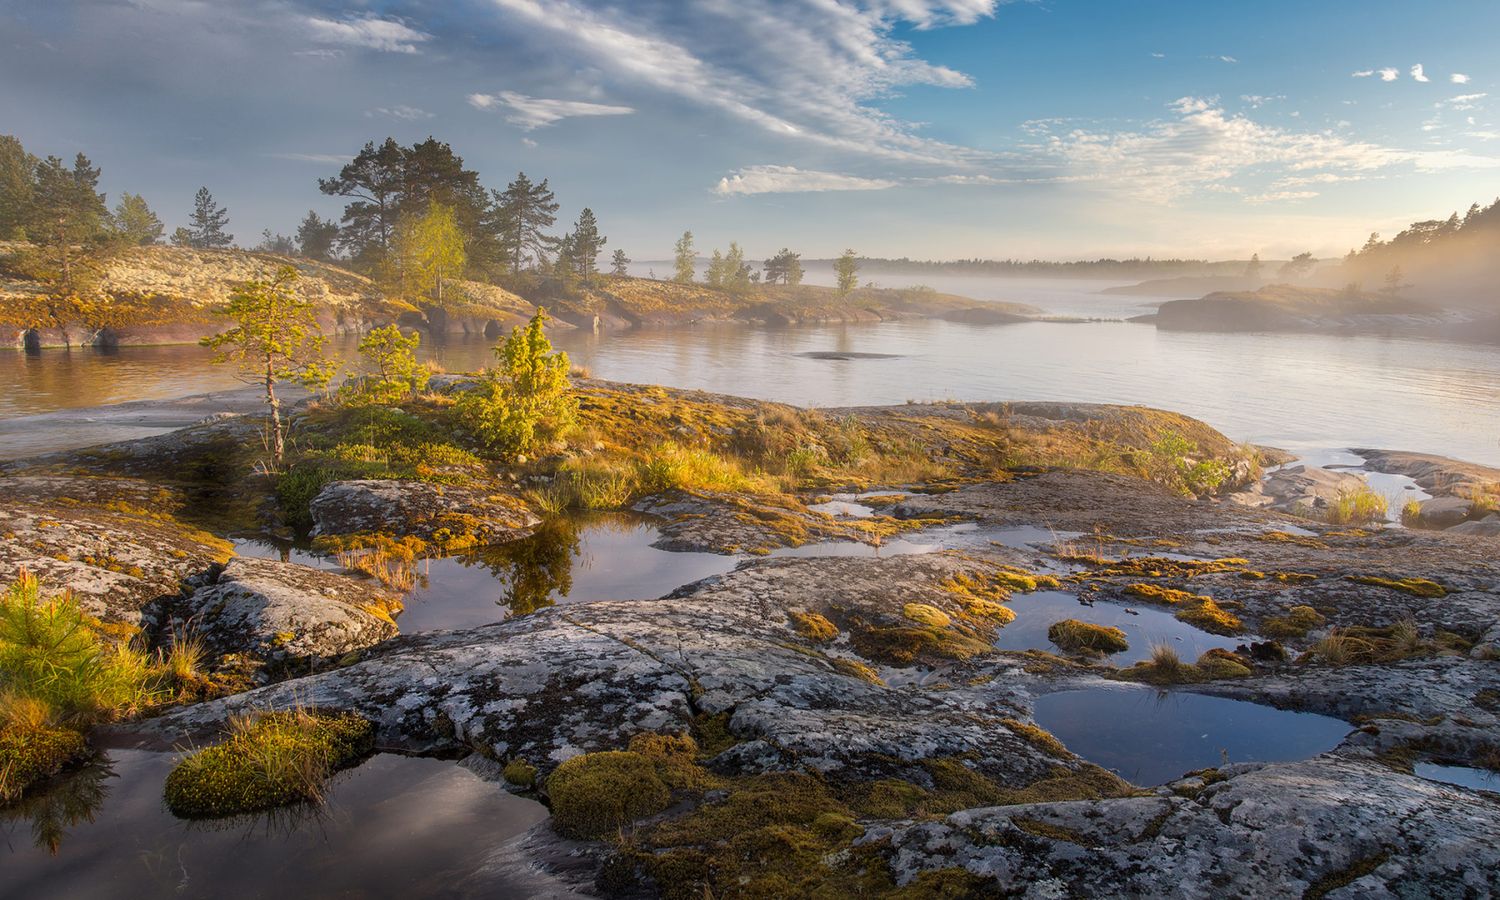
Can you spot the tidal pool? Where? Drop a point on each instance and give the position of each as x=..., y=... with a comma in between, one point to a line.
x=1462, y=776
x=1143, y=627
x=395, y=826
x=1150, y=736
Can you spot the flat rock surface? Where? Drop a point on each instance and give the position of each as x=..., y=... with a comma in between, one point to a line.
x=429, y=511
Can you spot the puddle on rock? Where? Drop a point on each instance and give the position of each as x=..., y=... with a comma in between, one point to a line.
x=1143, y=627
x=959, y=536
x=1461, y=776
x=1150, y=736
x=395, y=826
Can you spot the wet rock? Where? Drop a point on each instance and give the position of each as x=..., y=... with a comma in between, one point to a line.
x=1444, y=512
x=434, y=512
x=1330, y=826
x=284, y=613
x=1308, y=487
x=1437, y=475
x=1486, y=527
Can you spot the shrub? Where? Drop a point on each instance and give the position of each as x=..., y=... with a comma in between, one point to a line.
x=528, y=395
x=275, y=759
x=395, y=363
x=1085, y=637
x=670, y=465
x=1356, y=506
x=295, y=490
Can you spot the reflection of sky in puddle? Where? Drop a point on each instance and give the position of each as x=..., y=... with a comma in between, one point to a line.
x=1463, y=776
x=394, y=826
x=1398, y=490
x=1150, y=736
x=1037, y=612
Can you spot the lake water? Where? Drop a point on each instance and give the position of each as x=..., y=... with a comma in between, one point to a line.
x=1300, y=392
x=1149, y=736
x=394, y=826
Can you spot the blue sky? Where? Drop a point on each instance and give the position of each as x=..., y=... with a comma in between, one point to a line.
x=928, y=128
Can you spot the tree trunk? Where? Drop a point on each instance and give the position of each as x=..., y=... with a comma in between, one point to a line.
x=278, y=440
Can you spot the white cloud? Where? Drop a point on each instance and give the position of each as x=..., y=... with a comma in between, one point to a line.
x=1226, y=59
x=791, y=180
x=806, y=71
x=1462, y=102
x=1256, y=101
x=1417, y=74
x=1159, y=56
x=1458, y=78
x=1280, y=196
x=529, y=143
x=373, y=32
x=1366, y=73
x=1389, y=74
x=401, y=112
x=322, y=159
x=536, y=112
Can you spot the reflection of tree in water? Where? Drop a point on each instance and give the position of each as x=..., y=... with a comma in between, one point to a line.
x=71, y=800
x=535, y=568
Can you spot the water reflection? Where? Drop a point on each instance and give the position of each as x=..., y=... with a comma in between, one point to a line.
x=1144, y=627
x=538, y=569
x=69, y=801
x=1150, y=736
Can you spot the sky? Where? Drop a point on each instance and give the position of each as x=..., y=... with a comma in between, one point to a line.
x=934, y=129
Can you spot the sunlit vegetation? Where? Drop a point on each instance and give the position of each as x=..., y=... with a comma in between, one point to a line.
x=1356, y=506
x=1357, y=645
x=268, y=760
x=1076, y=636
x=1417, y=587
x=1165, y=666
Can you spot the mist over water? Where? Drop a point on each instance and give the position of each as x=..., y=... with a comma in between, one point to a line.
x=1297, y=391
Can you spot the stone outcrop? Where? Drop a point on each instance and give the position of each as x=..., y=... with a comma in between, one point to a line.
x=433, y=512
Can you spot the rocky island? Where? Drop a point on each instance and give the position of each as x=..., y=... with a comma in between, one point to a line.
x=804, y=724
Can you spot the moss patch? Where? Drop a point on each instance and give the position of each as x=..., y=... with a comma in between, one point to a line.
x=1209, y=616
x=906, y=645
x=923, y=614
x=1417, y=587
x=596, y=794
x=276, y=759
x=1085, y=637
x=1297, y=622
x=519, y=772
x=33, y=752
x=814, y=626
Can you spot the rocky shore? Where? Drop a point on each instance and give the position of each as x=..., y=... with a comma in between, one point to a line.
x=836, y=724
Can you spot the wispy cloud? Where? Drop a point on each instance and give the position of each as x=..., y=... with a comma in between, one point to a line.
x=806, y=72
x=792, y=180
x=1256, y=101
x=536, y=112
x=1458, y=78
x=370, y=31
x=402, y=113
x=322, y=159
x=1418, y=74
x=1280, y=196
x=1462, y=102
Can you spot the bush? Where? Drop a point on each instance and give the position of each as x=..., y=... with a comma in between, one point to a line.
x=1356, y=506
x=527, y=397
x=276, y=759
x=1085, y=637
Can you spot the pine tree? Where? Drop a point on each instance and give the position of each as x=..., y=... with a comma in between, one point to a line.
x=619, y=264
x=1252, y=269
x=135, y=223
x=68, y=220
x=686, y=260
x=846, y=268
x=373, y=179
x=715, y=276
x=519, y=217
x=587, y=242
x=206, y=224
x=735, y=274
x=17, y=176
x=316, y=237
x=785, y=267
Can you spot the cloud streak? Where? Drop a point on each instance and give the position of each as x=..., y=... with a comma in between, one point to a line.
x=531, y=113
x=371, y=32
x=792, y=180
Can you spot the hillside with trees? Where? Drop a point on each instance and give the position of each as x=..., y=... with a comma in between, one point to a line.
x=1449, y=262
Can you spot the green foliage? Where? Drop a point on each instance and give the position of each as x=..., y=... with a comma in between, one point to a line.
x=394, y=361
x=316, y=237
x=598, y=793
x=528, y=396
x=429, y=248
x=208, y=219
x=276, y=759
x=135, y=223
x=785, y=267
x=519, y=218
x=684, y=259
x=276, y=337
x=585, y=245
x=619, y=264
x=1085, y=637
x=50, y=652
x=1172, y=461
x=1356, y=506
x=846, y=269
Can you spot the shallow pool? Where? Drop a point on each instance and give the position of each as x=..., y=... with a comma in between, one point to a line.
x=1462, y=776
x=1150, y=736
x=1143, y=625
x=394, y=826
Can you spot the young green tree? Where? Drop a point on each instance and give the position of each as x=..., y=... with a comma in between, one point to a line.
x=207, y=221
x=785, y=267
x=619, y=264
x=846, y=268
x=394, y=359
x=519, y=217
x=735, y=273
x=276, y=338
x=17, y=176
x=686, y=259
x=68, y=225
x=715, y=275
x=587, y=242
x=565, y=267
x=525, y=398
x=135, y=224
x=316, y=237
x=430, y=248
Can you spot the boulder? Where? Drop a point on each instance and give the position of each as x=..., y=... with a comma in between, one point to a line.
x=1486, y=527
x=284, y=613
x=448, y=515
x=1444, y=512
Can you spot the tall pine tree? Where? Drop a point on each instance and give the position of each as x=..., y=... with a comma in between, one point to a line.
x=206, y=223
x=518, y=218
x=587, y=242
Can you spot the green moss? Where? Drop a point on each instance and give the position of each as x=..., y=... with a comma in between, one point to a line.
x=31, y=752
x=1085, y=637
x=1049, y=830
x=520, y=773
x=923, y=614
x=856, y=669
x=1207, y=615
x=1417, y=587
x=713, y=734
x=1037, y=737
x=1346, y=876
x=276, y=759
x=1297, y=622
x=1155, y=593
x=905, y=645
x=596, y=794
x=814, y=626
